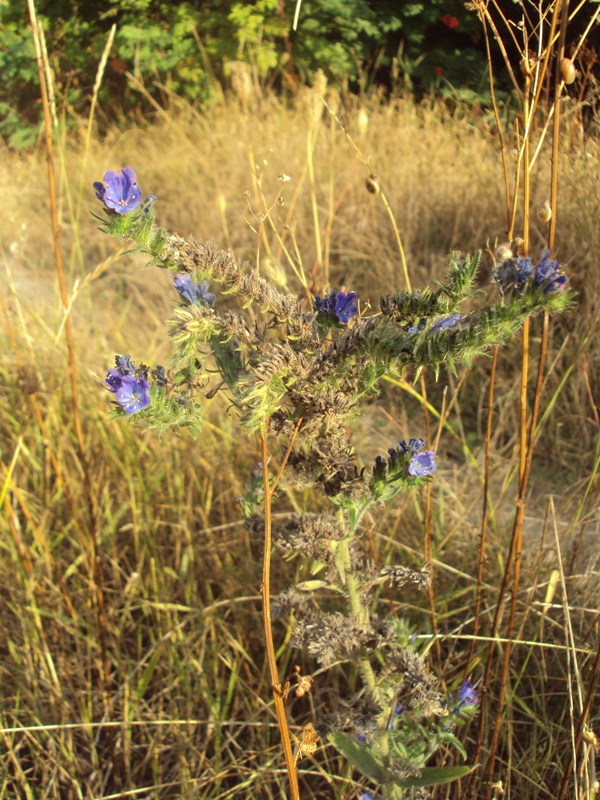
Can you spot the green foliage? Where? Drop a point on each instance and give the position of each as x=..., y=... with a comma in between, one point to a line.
x=187, y=47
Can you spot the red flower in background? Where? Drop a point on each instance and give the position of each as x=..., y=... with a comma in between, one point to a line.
x=438, y=70
x=450, y=21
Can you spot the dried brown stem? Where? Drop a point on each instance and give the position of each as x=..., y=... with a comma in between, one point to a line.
x=96, y=566
x=267, y=622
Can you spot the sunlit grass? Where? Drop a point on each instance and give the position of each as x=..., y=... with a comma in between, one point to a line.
x=185, y=713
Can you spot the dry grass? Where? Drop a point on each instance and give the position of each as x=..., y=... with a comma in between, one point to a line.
x=185, y=714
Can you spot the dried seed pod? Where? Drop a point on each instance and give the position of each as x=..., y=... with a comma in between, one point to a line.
x=544, y=212
x=372, y=184
x=567, y=70
x=503, y=251
x=517, y=246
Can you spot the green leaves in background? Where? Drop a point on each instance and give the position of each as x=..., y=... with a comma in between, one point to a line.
x=185, y=48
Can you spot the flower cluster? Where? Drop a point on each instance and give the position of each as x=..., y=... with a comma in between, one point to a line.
x=467, y=696
x=342, y=305
x=516, y=274
x=131, y=387
x=119, y=191
x=420, y=464
x=193, y=292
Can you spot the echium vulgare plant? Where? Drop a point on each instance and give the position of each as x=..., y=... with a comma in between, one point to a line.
x=297, y=373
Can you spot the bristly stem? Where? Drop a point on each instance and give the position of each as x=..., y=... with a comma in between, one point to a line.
x=268, y=628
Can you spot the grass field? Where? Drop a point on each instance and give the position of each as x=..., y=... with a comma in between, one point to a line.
x=186, y=710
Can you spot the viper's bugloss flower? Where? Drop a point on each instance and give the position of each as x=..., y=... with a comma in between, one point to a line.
x=113, y=379
x=413, y=446
x=119, y=192
x=367, y=795
x=467, y=693
x=448, y=322
x=193, y=292
x=204, y=295
x=125, y=365
x=413, y=329
x=422, y=464
x=345, y=306
x=467, y=696
x=133, y=394
x=558, y=283
x=512, y=273
x=342, y=304
x=547, y=274
x=159, y=375
x=325, y=305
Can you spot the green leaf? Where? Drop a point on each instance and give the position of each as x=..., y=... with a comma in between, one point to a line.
x=359, y=756
x=435, y=776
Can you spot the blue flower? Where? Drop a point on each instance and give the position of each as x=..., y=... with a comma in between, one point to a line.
x=341, y=304
x=413, y=329
x=546, y=270
x=413, y=446
x=159, y=375
x=513, y=272
x=345, y=306
x=467, y=693
x=133, y=394
x=467, y=696
x=448, y=322
x=119, y=192
x=367, y=795
x=113, y=379
x=124, y=364
x=361, y=738
x=205, y=296
x=558, y=283
x=422, y=464
x=191, y=291
x=325, y=305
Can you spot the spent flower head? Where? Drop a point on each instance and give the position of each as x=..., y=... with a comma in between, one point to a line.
x=119, y=191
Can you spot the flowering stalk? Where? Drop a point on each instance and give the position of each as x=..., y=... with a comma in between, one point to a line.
x=299, y=375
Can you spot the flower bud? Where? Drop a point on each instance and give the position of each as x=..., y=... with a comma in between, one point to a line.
x=544, y=212
x=567, y=70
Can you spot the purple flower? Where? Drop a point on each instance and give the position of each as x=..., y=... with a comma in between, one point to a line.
x=547, y=273
x=467, y=696
x=448, y=322
x=205, y=296
x=467, y=693
x=345, y=306
x=413, y=329
x=192, y=292
x=342, y=304
x=119, y=192
x=159, y=375
x=133, y=394
x=367, y=795
x=546, y=270
x=422, y=464
x=413, y=446
x=325, y=305
x=558, y=283
x=113, y=379
x=124, y=364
